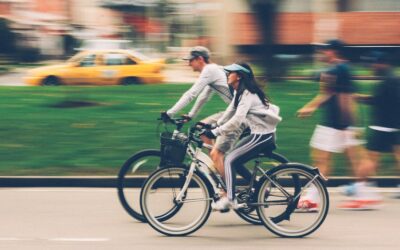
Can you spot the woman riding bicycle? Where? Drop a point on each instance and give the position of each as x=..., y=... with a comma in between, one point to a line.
x=250, y=106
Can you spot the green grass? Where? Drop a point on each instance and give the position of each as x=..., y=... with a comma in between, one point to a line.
x=39, y=138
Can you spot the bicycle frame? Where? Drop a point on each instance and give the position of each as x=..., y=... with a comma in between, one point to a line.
x=200, y=161
x=203, y=163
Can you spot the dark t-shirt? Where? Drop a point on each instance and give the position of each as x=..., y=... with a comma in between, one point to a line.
x=340, y=83
x=386, y=103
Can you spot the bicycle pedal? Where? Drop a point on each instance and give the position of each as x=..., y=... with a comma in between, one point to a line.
x=221, y=211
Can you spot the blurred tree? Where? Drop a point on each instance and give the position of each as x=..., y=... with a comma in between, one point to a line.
x=265, y=12
x=7, y=41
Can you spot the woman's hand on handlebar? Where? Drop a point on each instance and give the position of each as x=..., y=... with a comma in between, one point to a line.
x=202, y=125
x=208, y=133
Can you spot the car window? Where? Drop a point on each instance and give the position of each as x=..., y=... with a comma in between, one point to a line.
x=139, y=55
x=117, y=59
x=75, y=58
x=88, y=60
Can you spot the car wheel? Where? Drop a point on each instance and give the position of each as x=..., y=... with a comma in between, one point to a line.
x=51, y=81
x=130, y=81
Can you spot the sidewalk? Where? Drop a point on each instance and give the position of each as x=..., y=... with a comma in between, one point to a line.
x=111, y=181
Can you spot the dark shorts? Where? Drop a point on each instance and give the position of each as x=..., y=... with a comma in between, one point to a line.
x=381, y=141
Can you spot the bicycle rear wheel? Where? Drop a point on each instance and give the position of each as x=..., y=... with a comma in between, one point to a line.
x=159, y=195
x=266, y=162
x=279, y=198
x=130, y=180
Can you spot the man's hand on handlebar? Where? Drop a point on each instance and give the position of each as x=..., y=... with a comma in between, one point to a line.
x=165, y=117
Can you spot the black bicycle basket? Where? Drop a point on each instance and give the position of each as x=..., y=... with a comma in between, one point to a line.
x=173, y=150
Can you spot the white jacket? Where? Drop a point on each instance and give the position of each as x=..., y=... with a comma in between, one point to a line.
x=251, y=111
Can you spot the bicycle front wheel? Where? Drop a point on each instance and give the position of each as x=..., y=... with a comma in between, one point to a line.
x=130, y=179
x=279, y=195
x=159, y=195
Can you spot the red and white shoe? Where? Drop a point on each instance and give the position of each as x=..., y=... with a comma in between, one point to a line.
x=362, y=205
x=307, y=206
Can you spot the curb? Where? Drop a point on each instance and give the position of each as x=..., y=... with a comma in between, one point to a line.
x=111, y=181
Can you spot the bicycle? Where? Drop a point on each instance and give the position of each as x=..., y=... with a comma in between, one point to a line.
x=141, y=164
x=193, y=188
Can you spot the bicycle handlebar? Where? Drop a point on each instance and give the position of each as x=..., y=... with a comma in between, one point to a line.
x=178, y=122
x=198, y=127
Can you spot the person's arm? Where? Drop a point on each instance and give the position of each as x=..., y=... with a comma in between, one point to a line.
x=202, y=82
x=228, y=113
x=204, y=97
x=239, y=116
x=316, y=102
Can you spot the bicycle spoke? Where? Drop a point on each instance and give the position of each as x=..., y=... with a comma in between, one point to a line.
x=191, y=211
x=282, y=216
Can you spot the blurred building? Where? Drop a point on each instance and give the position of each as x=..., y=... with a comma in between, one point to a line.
x=299, y=22
x=228, y=27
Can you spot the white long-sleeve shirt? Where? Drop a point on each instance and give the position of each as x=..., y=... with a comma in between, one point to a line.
x=260, y=118
x=212, y=80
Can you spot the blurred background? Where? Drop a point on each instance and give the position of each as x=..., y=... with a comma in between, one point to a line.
x=98, y=128
x=33, y=30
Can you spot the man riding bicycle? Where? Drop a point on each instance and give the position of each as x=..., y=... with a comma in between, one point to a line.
x=212, y=80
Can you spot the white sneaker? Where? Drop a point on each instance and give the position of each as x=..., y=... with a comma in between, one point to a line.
x=223, y=205
x=397, y=193
x=348, y=190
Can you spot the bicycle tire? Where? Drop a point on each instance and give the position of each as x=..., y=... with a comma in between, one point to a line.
x=305, y=174
x=246, y=214
x=147, y=203
x=123, y=183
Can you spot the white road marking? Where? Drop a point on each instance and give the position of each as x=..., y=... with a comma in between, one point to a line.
x=63, y=190
x=12, y=239
x=56, y=239
x=80, y=239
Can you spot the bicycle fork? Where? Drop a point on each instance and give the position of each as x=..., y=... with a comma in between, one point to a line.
x=181, y=194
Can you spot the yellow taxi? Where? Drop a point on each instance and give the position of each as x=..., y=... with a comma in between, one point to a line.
x=100, y=67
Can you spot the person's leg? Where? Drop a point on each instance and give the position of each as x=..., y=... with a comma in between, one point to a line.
x=223, y=144
x=322, y=160
x=218, y=158
x=310, y=199
x=247, y=148
x=363, y=163
x=323, y=142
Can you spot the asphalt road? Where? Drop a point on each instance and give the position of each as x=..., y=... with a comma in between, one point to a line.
x=78, y=218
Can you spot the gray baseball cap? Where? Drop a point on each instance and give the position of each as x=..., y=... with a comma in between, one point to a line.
x=196, y=52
